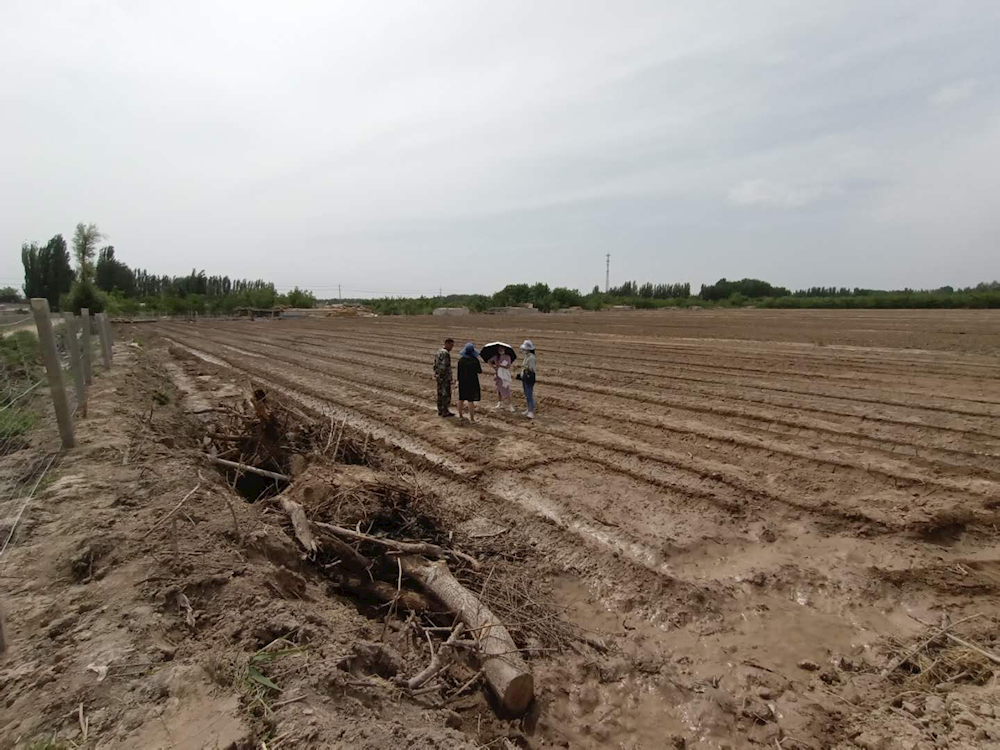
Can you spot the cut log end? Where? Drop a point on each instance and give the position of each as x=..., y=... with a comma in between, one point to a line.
x=519, y=694
x=505, y=671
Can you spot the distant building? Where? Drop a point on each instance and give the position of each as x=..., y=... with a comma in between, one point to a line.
x=451, y=311
x=521, y=310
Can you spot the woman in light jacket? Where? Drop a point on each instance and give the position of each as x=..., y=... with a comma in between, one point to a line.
x=501, y=371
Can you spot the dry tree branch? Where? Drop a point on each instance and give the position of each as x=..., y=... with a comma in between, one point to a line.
x=175, y=508
x=435, y=666
x=409, y=548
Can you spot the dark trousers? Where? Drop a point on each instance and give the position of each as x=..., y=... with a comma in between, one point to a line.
x=444, y=397
x=529, y=394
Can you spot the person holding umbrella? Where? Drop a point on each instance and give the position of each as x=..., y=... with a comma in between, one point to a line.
x=442, y=374
x=501, y=356
x=527, y=376
x=468, y=381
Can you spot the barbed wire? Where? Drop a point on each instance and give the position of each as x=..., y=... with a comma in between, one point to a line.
x=21, y=395
x=28, y=440
x=38, y=477
x=22, y=433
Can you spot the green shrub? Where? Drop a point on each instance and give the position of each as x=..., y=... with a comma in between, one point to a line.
x=84, y=293
x=19, y=350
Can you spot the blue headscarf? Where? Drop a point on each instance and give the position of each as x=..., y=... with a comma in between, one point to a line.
x=469, y=350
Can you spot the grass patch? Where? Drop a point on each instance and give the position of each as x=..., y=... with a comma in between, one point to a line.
x=19, y=347
x=257, y=687
x=16, y=422
x=14, y=426
x=49, y=744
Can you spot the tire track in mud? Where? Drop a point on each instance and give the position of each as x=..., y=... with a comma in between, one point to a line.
x=611, y=462
x=668, y=373
x=667, y=381
x=826, y=367
x=850, y=439
x=626, y=571
x=767, y=448
x=900, y=474
x=735, y=507
x=564, y=518
x=670, y=381
x=420, y=406
x=665, y=595
x=845, y=438
x=723, y=474
x=956, y=462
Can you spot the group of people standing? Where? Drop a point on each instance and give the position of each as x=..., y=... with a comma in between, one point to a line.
x=501, y=357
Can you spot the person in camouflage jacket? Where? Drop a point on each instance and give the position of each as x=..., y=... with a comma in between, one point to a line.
x=442, y=374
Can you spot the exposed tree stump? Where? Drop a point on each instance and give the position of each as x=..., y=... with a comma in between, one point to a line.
x=505, y=671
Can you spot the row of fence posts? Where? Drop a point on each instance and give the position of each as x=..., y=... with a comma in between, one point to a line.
x=78, y=345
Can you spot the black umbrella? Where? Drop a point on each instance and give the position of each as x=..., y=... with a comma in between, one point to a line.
x=491, y=350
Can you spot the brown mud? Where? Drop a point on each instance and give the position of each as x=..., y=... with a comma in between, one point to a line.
x=757, y=513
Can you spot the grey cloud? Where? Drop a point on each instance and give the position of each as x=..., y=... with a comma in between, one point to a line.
x=954, y=93
x=473, y=144
x=767, y=193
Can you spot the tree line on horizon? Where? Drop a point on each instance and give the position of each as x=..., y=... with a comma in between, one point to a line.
x=108, y=283
x=101, y=281
x=723, y=293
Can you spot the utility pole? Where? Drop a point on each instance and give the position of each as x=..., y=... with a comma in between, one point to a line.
x=607, y=272
x=340, y=294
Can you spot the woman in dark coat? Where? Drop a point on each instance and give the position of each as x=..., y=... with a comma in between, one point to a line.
x=468, y=381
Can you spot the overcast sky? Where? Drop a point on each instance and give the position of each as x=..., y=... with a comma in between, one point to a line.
x=466, y=144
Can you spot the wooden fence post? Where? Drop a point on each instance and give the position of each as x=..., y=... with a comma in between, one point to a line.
x=110, y=332
x=105, y=339
x=76, y=363
x=3, y=629
x=53, y=367
x=106, y=325
x=85, y=345
x=102, y=334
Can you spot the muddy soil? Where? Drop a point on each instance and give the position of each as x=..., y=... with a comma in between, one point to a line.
x=150, y=606
x=763, y=516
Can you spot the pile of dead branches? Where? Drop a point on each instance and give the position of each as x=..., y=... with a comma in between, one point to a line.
x=366, y=524
x=271, y=440
x=370, y=536
x=943, y=656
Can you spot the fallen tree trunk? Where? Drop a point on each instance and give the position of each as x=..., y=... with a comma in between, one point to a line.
x=506, y=672
x=380, y=592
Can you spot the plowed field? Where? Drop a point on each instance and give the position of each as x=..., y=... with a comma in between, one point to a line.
x=736, y=488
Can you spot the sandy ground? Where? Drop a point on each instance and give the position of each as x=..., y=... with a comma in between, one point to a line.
x=757, y=510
